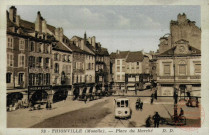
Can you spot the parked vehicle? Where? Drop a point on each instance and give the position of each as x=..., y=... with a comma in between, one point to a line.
x=122, y=108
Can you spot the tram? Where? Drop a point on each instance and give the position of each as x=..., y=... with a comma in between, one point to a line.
x=122, y=108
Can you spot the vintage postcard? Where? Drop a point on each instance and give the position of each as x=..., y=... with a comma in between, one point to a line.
x=128, y=67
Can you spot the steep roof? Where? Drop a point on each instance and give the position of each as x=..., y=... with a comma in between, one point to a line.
x=119, y=55
x=60, y=47
x=135, y=57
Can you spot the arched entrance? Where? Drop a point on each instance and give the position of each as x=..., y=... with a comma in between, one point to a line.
x=60, y=95
x=39, y=96
x=13, y=98
x=76, y=93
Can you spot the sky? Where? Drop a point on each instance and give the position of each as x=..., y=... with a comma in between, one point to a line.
x=123, y=28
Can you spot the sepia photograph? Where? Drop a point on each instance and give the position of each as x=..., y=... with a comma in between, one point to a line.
x=119, y=67
x=103, y=66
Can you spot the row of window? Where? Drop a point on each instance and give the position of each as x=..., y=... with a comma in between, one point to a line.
x=182, y=69
x=65, y=68
x=122, y=78
x=90, y=57
x=119, y=62
x=82, y=78
x=89, y=66
x=59, y=57
x=39, y=79
x=78, y=65
x=10, y=43
x=39, y=62
x=10, y=60
x=9, y=78
x=40, y=47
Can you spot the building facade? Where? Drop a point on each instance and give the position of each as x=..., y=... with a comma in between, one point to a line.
x=178, y=62
x=179, y=67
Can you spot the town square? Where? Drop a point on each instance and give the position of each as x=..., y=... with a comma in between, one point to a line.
x=100, y=67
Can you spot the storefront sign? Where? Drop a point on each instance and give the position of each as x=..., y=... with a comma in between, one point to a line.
x=39, y=87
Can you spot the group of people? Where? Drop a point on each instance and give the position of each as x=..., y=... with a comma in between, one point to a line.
x=156, y=119
x=34, y=106
x=139, y=104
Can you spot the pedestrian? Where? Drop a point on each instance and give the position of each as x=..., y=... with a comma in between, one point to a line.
x=197, y=102
x=141, y=105
x=148, y=121
x=181, y=113
x=47, y=105
x=85, y=99
x=175, y=97
x=50, y=105
x=156, y=118
x=155, y=94
x=152, y=98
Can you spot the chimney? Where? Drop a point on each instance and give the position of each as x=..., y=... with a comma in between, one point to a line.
x=18, y=20
x=57, y=33
x=44, y=26
x=93, y=39
x=82, y=44
x=89, y=39
x=117, y=51
x=38, y=24
x=12, y=13
x=61, y=34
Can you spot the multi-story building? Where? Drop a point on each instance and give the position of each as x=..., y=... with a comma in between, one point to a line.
x=17, y=67
x=134, y=70
x=62, y=71
x=179, y=59
x=102, y=63
x=119, y=68
x=179, y=66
